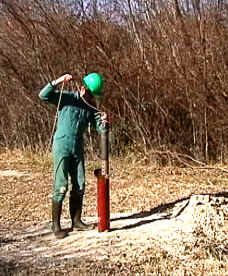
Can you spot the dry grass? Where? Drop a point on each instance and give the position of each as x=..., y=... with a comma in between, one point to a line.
x=136, y=185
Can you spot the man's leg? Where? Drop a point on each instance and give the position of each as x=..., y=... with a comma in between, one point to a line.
x=77, y=172
x=59, y=191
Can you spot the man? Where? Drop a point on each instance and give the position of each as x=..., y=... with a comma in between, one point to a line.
x=75, y=112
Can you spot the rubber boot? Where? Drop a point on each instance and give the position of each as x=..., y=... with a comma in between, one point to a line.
x=56, y=214
x=75, y=202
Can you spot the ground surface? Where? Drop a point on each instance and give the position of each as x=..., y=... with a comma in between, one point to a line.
x=154, y=216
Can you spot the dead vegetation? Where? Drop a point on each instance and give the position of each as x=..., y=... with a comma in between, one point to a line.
x=165, y=70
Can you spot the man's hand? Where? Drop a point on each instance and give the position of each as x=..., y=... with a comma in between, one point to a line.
x=105, y=119
x=65, y=78
x=104, y=116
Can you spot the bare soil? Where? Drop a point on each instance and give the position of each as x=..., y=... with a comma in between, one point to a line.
x=164, y=220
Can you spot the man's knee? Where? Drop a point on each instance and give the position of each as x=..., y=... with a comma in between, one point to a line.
x=74, y=193
x=59, y=194
x=78, y=189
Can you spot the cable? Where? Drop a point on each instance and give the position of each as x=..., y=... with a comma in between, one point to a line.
x=56, y=116
x=90, y=105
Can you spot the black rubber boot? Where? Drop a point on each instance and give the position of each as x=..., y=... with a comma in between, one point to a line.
x=76, y=212
x=56, y=214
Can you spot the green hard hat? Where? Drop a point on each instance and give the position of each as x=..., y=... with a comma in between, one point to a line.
x=95, y=84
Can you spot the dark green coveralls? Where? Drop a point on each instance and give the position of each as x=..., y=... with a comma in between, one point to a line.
x=74, y=115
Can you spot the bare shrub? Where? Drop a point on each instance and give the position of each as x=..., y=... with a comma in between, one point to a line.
x=165, y=68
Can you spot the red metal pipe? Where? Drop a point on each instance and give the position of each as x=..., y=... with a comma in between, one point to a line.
x=103, y=204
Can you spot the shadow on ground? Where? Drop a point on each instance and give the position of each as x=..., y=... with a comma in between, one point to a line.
x=161, y=212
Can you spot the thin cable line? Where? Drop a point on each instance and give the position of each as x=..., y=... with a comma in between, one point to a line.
x=90, y=105
x=56, y=116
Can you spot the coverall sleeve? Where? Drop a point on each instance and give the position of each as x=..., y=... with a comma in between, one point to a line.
x=50, y=94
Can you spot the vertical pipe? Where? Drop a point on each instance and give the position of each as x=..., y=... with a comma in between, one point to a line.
x=103, y=205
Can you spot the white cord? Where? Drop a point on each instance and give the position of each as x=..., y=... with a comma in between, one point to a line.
x=56, y=116
x=93, y=107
